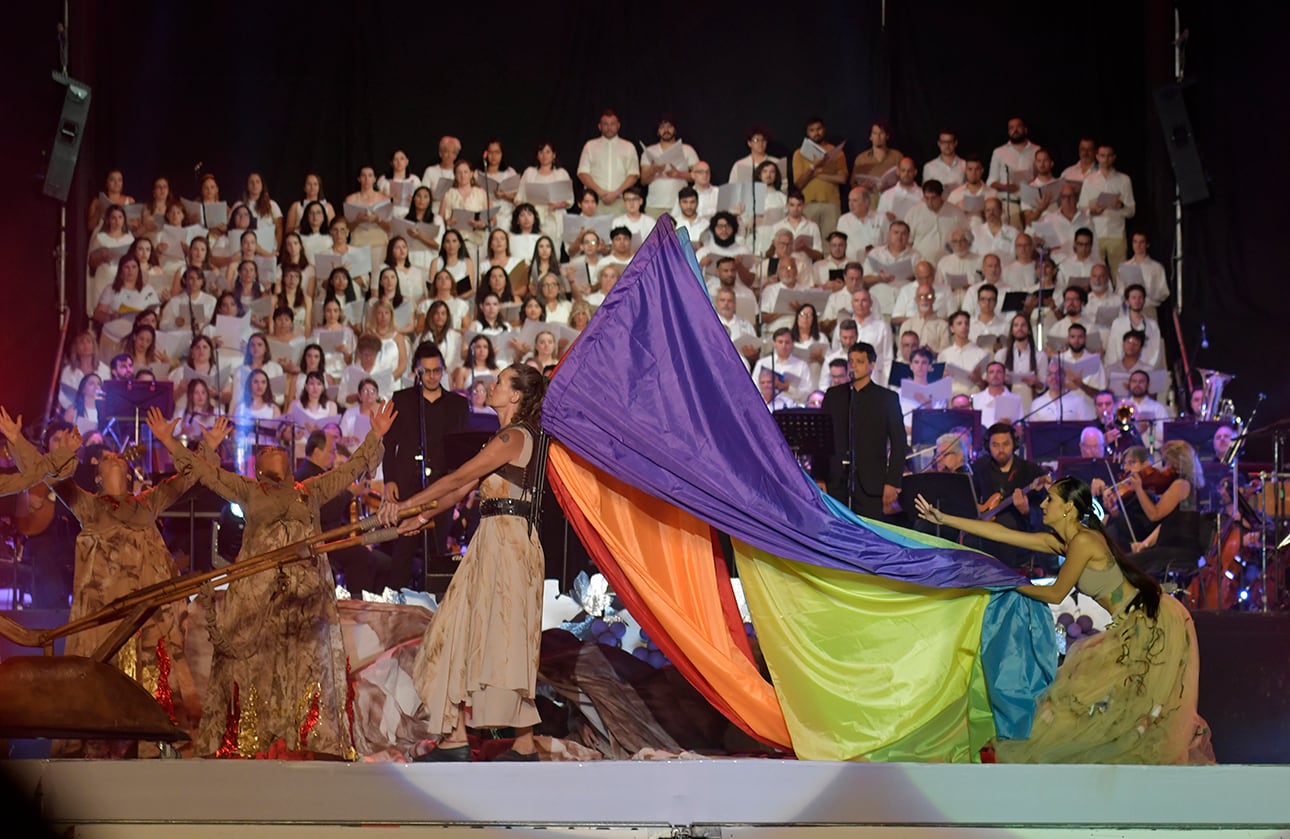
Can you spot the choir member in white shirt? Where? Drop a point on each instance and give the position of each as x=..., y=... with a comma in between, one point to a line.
x=987, y=320
x=1073, y=300
x=313, y=192
x=963, y=354
x=1023, y=273
x=831, y=270
x=802, y=228
x=872, y=329
x=1146, y=272
x=399, y=180
x=783, y=269
x=1077, y=264
x=1086, y=165
x=932, y=329
x=865, y=229
x=192, y=309
x=608, y=165
x=1059, y=403
x=931, y=222
x=992, y=235
x=792, y=374
x=723, y=233
x=1064, y=219
x=906, y=303
x=1023, y=360
x=1011, y=164
x=81, y=360
x=449, y=148
x=1043, y=177
x=883, y=284
x=636, y=221
x=687, y=217
x=996, y=403
x=839, y=302
x=495, y=170
x=1089, y=381
x=665, y=180
x=735, y=326
x=701, y=172
x=1149, y=414
x=745, y=168
x=971, y=195
x=766, y=385
x=368, y=229
x=947, y=167
x=1107, y=196
x=1104, y=305
x=960, y=265
x=846, y=335
x=896, y=202
x=551, y=215
x=727, y=277
x=1135, y=319
x=265, y=212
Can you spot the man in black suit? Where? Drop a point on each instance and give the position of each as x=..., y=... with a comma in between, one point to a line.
x=867, y=428
x=363, y=568
x=427, y=413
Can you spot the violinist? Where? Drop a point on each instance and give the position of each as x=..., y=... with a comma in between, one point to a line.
x=1126, y=523
x=1174, y=543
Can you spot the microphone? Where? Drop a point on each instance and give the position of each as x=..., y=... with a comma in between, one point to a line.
x=1204, y=338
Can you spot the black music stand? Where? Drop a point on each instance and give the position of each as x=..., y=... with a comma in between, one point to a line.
x=808, y=432
x=1085, y=468
x=932, y=423
x=949, y=492
x=1200, y=435
x=1054, y=440
x=129, y=401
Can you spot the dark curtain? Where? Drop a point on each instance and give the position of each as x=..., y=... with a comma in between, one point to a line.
x=288, y=88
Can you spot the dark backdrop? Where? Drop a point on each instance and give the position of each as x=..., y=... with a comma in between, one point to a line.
x=289, y=88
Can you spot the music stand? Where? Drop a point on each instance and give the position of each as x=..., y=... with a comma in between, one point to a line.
x=1200, y=435
x=949, y=492
x=929, y=424
x=129, y=401
x=1084, y=468
x=1054, y=440
x=808, y=432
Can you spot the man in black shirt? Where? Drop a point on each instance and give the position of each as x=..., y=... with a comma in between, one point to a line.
x=427, y=414
x=868, y=439
x=1003, y=483
x=364, y=568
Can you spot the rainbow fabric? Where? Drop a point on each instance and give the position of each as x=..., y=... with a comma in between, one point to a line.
x=882, y=643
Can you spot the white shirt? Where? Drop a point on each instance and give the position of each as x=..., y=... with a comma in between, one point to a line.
x=899, y=200
x=824, y=266
x=177, y=307
x=996, y=326
x=967, y=266
x=662, y=191
x=1019, y=276
x=1109, y=224
x=1071, y=406
x=804, y=227
x=862, y=233
x=949, y=174
x=640, y=227
x=1007, y=160
x=1152, y=350
x=1065, y=229
x=956, y=196
x=1093, y=308
x=1003, y=243
x=1095, y=379
x=432, y=176
x=930, y=231
x=1153, y=280
x=1076, y=174
x=1006, y=407
x=967, y=357
x=797, y=374
x=907, y=306
x=695, y=228
x=608, y=162
x=745, y=298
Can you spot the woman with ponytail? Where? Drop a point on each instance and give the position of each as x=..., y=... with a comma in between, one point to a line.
x=1126, y=695
x=477, y=664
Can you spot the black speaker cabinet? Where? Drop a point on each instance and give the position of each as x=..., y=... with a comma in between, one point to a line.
x=1181, y=143
x=67, y=137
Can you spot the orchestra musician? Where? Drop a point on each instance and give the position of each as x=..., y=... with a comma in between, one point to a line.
x=1005, y=484
x=1174, y=542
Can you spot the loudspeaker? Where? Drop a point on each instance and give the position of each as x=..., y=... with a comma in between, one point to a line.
x=67, y=137
x=1245, y=684
x=1181, y=144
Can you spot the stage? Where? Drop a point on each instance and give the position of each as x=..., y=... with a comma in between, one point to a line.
x=714, y=798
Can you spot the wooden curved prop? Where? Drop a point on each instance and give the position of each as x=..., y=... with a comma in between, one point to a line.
x=137, y=606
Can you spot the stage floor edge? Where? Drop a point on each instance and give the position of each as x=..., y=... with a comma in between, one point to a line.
x=744, y=798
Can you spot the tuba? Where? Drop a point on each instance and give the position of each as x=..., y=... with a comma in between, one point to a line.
x=1215, y=407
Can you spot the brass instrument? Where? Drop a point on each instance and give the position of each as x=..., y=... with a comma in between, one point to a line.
x=1215, y=407
x=1124, y=415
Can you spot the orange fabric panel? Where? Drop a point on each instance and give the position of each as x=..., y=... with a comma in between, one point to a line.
x=665, y=554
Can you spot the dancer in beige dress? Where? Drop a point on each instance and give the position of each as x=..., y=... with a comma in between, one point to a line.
x=278, y=671
x=477, y=665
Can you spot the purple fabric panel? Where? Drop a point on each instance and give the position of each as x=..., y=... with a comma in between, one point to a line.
x=654, y=393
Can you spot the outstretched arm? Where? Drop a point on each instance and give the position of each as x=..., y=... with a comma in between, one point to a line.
x=227, y=485
x=1046, y=542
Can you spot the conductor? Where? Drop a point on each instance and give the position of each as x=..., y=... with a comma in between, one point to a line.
x=868, y=439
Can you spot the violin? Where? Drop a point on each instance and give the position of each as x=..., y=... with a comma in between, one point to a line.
x=1157, y=480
